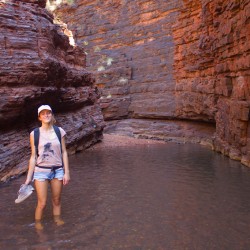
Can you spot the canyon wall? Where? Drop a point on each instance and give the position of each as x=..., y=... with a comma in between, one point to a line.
x=212, y=70
x=39, y=66
x=130, y=48
x=184, y=61
x=165, y=69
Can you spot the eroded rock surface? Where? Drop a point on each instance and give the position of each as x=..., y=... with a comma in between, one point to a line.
x=39, y=66
x=185, y=60
x=130, y=48
x=170, y=130
x=212, y=65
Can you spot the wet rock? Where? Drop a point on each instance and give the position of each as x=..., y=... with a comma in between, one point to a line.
x=39, y=65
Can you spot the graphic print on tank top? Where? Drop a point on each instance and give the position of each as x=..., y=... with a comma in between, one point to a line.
x=47, y=151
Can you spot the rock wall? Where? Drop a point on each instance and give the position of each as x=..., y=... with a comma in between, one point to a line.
x=39, y=66
x=130, y=49
x=212, y=70
x=173, y=60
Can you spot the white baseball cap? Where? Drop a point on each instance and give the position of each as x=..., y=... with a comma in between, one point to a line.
x=43, y=107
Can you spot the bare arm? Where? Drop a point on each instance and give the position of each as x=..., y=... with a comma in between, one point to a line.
x=32, y=161
x=66, y=177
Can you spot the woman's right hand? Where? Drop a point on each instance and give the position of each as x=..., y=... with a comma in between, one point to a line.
x=66, y=178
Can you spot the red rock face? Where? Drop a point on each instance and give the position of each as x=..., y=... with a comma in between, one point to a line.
x=185, y=60
x=212, y=68
x=39, y=66
x=130, y=47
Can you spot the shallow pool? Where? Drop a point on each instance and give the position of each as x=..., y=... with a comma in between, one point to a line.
x=165, y=196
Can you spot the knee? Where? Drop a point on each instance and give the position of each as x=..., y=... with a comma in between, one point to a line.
x=41, y=205
x=56, y=201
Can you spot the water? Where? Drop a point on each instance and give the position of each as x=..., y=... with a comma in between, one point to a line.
x=165, y=196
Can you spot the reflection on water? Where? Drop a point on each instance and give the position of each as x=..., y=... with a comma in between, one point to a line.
x=165, y=196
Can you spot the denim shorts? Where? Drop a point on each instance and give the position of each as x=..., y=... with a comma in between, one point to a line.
x=42, y=176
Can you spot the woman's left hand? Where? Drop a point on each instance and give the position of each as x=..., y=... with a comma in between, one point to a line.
x=66, y=179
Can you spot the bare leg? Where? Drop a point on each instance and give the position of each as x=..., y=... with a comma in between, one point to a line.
x=41, y=190
x=56, y=189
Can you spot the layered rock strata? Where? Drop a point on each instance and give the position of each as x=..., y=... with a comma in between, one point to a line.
x=39, y=66
x=212, y=65
x=130, y=47
x=166, y=130
x=174, y=60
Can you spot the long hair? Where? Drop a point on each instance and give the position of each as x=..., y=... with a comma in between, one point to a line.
x=53, y=120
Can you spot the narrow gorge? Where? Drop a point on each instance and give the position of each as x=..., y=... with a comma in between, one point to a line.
x=173, y=70
x=176, y=70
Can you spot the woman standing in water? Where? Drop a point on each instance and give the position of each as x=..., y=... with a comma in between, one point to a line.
x=48, y=164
